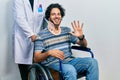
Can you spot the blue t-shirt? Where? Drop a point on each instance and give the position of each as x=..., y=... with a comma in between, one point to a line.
x=48, y=41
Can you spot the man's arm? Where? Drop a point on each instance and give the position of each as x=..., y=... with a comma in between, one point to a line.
x=78, y=32
x=82, y=42
x=20, y=18
x=39, y=56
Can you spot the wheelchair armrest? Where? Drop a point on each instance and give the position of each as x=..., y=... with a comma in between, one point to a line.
x=83, y=49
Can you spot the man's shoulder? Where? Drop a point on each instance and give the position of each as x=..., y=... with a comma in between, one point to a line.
x=43, y=31
x=66, y=29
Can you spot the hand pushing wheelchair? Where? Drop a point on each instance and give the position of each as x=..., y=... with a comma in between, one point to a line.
x=40, y=72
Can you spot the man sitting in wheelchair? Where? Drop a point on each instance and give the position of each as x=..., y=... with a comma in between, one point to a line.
x=54, y=43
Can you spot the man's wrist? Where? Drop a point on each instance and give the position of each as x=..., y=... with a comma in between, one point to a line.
x=82, y=38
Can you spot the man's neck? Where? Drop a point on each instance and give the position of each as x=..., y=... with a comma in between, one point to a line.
x=55, y=30
x=57, y=27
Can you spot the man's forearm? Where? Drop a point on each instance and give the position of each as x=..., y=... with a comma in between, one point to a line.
x=39, y=57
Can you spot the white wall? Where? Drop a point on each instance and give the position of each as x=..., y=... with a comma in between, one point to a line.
x=8, y=69
x=102, y=29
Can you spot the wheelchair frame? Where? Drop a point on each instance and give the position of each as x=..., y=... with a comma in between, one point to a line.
x=40, y=72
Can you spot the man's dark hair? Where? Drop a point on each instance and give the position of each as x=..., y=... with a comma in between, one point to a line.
x=55, y=5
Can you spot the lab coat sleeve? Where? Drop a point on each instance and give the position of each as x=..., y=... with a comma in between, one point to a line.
x=20, y=18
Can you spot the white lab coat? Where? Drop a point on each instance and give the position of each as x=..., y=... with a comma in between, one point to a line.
x=27, y=23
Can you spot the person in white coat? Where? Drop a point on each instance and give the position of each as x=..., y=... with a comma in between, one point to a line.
x=28, y=18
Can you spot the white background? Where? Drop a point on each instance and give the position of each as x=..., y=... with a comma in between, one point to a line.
x=102, y=30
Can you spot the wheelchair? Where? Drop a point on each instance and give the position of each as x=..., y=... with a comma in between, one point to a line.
x=39, y=72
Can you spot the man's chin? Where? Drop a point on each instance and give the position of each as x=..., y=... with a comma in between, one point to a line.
x=56, y=24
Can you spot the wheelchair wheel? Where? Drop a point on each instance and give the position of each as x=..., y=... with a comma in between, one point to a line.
x=37, y=72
